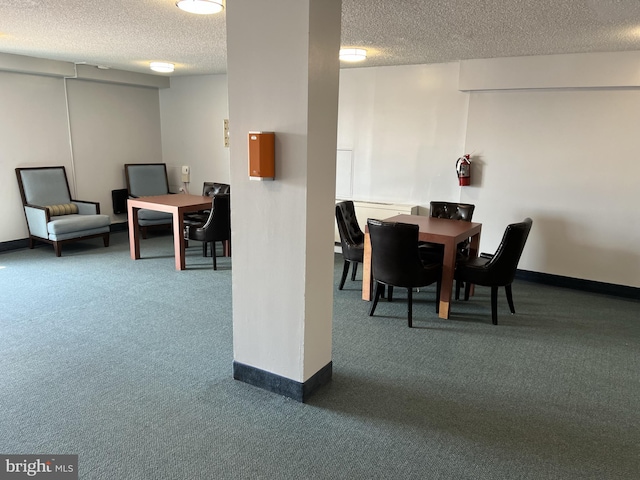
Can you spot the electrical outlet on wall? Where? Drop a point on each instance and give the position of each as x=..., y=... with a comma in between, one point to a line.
x=186, y=173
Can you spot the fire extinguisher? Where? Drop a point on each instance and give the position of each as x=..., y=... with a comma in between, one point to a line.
x=463, y=169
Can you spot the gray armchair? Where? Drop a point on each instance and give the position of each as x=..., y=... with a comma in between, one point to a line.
x=52, y=215
x=148, y=179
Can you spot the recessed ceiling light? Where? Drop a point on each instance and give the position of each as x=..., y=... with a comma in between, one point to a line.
x=353, y=54
x=161, y=67
x=202, y=7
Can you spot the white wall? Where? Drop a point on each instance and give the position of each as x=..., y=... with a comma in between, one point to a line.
x=111, y=125
x=550, y=145
x=33, y=131
x=405, y=126
x=565, y=158
x=192, y=114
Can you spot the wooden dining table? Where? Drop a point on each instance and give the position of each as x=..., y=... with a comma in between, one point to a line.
x=177, y=205
x=435, y=230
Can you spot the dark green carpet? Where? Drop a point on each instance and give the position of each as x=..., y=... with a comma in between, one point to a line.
x=128, y=365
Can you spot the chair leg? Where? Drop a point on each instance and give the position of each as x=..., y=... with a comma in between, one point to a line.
x=353, y=272
x=204, y=248
x=458, y=285
x=507, y=290
x=467, y=290
x=345, y=270
x=58, y=248
x=494, y=305
x=390, y=293
x=409, y=306
x=376, y=296
x=105, y=239
x=213, y=254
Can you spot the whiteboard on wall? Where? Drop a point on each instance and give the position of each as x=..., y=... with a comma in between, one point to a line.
x=344, y=174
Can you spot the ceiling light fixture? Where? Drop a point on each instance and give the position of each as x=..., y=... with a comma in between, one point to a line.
x=162, y=67
x=353, y=54
x=202, y=7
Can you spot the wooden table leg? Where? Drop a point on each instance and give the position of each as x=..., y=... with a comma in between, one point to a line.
x=134, y=233
x=367, y=280
x=448, y=267
x=178, y=240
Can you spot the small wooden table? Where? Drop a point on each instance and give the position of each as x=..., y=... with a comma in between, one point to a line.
x=435, y=230
x=177, y=205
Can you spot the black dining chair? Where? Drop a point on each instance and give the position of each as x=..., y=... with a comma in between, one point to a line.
x=395, y=262
x=351, y=239
x=217, y=228
x=433, y=252
x=452, y=211
x=496, y=270
x=209, y=189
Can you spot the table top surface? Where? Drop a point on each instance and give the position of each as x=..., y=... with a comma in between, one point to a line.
x=433, y=224
x=432, y=228
x=174, y=200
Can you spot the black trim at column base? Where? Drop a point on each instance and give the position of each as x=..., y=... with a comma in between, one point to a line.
x=282, y=385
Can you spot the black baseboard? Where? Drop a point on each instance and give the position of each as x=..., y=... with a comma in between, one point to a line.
x=14, y=245
x=580, y=284
x=282, y=385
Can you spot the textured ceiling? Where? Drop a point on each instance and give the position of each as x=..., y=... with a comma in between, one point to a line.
x=128, y=34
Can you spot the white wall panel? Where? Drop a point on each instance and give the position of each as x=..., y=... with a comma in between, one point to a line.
x=406, y=127
x=580, y=70
x=111, y=125
x=566, y=158
x=33, y=132
x=192, y=113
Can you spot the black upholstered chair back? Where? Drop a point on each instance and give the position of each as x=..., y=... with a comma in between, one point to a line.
x=351, y=236
x=218, y=225
x=217, y=228
x=213, y=188
x=453, y=211
x=395, y=258
x=501, y=269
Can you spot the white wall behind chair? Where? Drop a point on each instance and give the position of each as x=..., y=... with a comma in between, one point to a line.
x=33, y=132
x=111, y=125
x=567, y=159
x=406, y=128
x=192, y=114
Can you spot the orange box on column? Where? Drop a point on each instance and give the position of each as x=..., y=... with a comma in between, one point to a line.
x=262, y=157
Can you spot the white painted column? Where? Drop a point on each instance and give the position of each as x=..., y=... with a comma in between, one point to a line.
x=283, y=73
